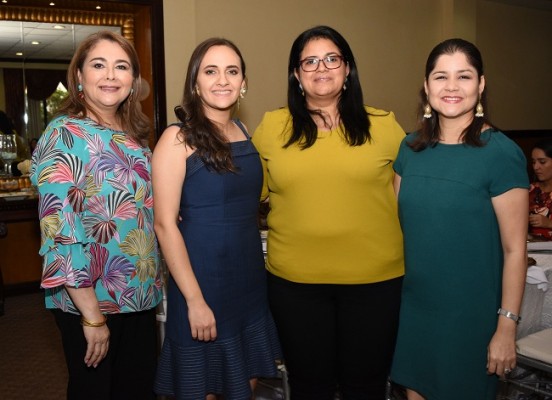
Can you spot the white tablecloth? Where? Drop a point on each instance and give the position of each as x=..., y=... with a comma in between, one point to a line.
x=536, y=308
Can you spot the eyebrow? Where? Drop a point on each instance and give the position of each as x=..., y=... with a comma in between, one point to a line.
x=330, y=53
x=462, y=71
x=216, y=66
x=103, y=59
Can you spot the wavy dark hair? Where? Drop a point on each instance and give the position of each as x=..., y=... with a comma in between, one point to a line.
x=351, y=103
x=429, y=129
x=197, y=130
x=545, y=145
x=133, y=121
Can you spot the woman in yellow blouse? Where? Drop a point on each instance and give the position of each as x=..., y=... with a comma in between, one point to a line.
x=335, y=257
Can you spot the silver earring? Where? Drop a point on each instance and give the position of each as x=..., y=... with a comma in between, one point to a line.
x=479, y=110
x=301, y=89
x=427, y=111
x=345, y=84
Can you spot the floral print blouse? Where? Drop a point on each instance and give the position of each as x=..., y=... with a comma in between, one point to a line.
x=540, y=203
x=96, y=216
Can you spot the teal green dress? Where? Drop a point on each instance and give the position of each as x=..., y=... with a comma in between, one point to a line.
x=453, y=259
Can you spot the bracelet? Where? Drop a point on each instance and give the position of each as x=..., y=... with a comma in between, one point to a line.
x=85, y=322
x=508, y=314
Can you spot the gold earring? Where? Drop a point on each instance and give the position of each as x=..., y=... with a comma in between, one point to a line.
x=479, y=110
x=427, y=111
x=243, y=91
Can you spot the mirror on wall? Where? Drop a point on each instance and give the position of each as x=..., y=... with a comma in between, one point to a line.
x=33, y=28
x=34, y=83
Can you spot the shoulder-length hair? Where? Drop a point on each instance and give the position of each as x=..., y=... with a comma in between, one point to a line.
x=350, y=105
x=429, y=129
x=133, y=121
x=198, y=131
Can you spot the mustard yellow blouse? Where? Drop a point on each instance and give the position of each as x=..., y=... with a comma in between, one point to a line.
x=333, y=215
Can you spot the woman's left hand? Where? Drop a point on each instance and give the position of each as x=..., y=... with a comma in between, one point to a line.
x=501, y=353
x=539, y=221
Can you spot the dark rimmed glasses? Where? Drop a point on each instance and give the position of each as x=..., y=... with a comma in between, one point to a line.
x=311, y=64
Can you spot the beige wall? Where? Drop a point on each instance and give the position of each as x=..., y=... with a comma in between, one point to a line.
x=390, y=39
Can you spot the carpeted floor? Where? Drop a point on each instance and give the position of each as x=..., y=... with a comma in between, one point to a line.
x=32, y=365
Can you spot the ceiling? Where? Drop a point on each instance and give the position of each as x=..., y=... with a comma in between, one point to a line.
x=53, y=44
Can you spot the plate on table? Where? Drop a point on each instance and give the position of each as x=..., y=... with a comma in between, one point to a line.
x=539, y=246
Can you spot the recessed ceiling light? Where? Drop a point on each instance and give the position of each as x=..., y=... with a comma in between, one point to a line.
x=52, y=3
x=98, y=7
x=18, y=53
x=4, y=1
x=35, y=42
x=59, y=27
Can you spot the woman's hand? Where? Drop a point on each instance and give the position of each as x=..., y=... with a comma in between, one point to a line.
x=202, y=322
x=501, y=353
x=539, y=221
x=97, y=339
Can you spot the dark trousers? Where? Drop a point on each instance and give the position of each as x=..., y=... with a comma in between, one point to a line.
x=128, y=370
x=336, y=338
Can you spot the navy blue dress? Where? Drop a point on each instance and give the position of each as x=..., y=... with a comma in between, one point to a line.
x=219, y=226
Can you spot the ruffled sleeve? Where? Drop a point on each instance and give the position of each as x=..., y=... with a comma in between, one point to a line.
x=59, y=172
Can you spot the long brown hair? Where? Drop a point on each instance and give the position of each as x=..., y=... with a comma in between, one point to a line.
x=133, y=121
x=197, y=129
x=429, y=129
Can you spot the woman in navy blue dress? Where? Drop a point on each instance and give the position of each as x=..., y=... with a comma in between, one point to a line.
x=207, y=180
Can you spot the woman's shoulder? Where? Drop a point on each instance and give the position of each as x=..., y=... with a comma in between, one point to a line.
x=377, y=112
x=500, y=140
x=280, y=114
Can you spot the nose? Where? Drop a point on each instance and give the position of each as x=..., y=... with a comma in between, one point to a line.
x=223, y=80
x=451, y=85
x=110, y=73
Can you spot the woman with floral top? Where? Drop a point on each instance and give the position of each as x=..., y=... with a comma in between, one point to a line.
x=101, y=262
x=540, y=193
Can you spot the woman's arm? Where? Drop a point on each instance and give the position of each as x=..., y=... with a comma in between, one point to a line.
x=397, y=184
x=168, y=173
x=97, y=338
x=511, y=211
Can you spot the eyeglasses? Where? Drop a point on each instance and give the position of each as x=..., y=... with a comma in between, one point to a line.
x=312, y=63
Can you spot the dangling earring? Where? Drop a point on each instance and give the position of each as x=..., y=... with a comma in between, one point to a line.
x=427, y=111
x=243, y=91
x=479, y=110
x=130, y=94
x=345, y=85
x=81, y=93
x=301, y=89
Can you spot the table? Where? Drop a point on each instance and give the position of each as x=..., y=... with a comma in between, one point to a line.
x=536, y=307
x=14, y=211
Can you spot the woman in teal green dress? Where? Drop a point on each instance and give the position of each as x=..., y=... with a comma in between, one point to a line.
x=462, y=192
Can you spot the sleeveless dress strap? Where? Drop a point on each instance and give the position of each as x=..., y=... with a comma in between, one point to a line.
x=240, y=125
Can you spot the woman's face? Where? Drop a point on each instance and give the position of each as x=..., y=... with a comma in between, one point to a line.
x=453, y=87
x=106, y=76
x=323, y=83
x=542, y=165
x=219, y=79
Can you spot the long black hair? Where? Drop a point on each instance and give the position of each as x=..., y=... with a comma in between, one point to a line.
x=350, y=106
x=429, y=129
x=198, y=130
